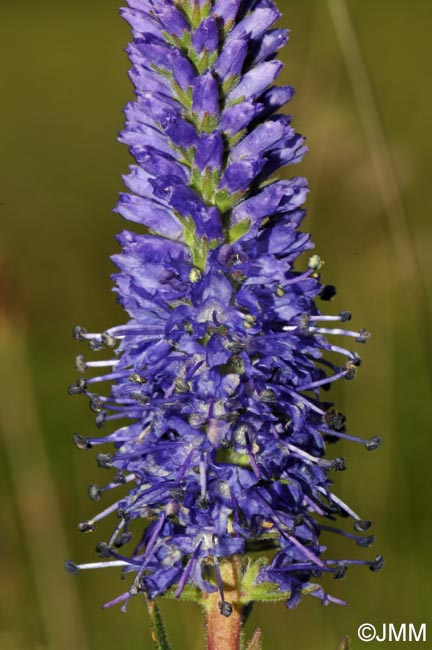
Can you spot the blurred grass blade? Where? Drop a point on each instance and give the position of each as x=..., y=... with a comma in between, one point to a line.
x=385, y=173
x=345, y=644
x=256, y=641
x=158, y=633
x=34, y=492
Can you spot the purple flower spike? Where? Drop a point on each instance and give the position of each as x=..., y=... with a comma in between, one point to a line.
x=216, y=428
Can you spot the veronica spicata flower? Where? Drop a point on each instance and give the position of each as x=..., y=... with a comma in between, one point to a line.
x=215, y=378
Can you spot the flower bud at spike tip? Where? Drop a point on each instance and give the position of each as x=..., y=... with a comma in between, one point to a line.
x=211, y=387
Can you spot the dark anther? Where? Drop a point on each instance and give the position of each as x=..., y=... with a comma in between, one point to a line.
x=328, y=292
x=79, y=333
x=80, y=363
x=103, y=550
x=268, y=396
x=122, y=514
x=177, y=494
x=95, y=345
x=316, y=573
x=123, y=539
x=81, y=442
x=339, y=464
x=119, y=478
x=195, y=420
x=94, y=492
x=373, y=443
x=203, y=503
x=100, y=418
x=350, y=370
x=364, y=336
x=225, y=608
x=135, y=378
x=95, y=404
x=108, y=339
x=181, y=385
x=235, y=346
x=361, y=525
x=141, y=399
x=334, y=419
x=78, y=388
x=345, y=316
x=135, y=589
x=71, y=567
x=365, y=542
x=86, y=527
x=104, y=461
x=340, y=571
x=356, y=360
x=377, y=564
x=304, y=323
x=315, y=263
x=298, y=520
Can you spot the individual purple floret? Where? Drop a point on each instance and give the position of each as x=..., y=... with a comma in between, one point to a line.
x=215, y=380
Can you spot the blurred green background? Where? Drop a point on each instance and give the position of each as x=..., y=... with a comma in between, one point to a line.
x=366, y=112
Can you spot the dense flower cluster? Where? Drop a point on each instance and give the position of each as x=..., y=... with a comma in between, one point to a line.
x=215, y=380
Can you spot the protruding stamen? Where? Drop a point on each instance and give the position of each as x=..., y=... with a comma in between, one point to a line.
x=225, y=608
x=363, y=336
x=80, y=363
x=108, y=339
x=373, y=443
x=104, y=565
x=313, y=558
x=350, y=370
x=79, y=333
x=94, y=492
x=78, y=388
x=124, y=539
x=334, y=420
x=340, y=571
x=104, y=461
x=96, y=404
x=103, y=550
x=362, y=525
x=81, y=442
x=71, y=567
x=86, y=527
x=377, y=564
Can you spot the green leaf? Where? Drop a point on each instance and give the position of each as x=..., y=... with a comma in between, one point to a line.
x=267, y=592
x=184, y=97
x=225, y=200
x=232, y=140
x=251, y=571
x=230, y=83
x=263, y=591
x=198, y=247
x=158, y=633
x=189, y=594
x=256, y=641
x=238, y=230
x=232, y=457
